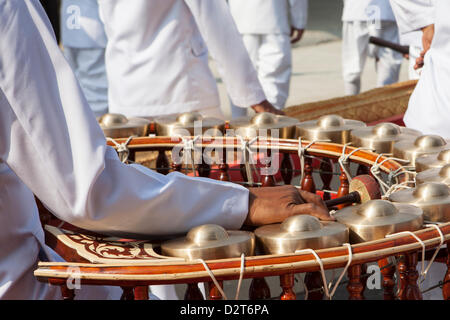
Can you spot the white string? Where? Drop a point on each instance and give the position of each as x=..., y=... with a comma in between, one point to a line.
x=322, y=270
x=122, y=148
x=350, y=258
x=343, y=162
x=216, y=283
x=247, y=154
x=301, y=154
x=437, y=249
x=394, y=188
x=375, y=170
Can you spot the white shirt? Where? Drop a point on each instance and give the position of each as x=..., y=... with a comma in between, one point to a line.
x=269, y=16
x=367, y=10
x=157, y=56
x=52, y=146
x=429, y=106
x=81, y=26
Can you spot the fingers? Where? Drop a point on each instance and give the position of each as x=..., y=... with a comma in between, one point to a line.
x=311, y=198
x=313, y=210
x=296, y=35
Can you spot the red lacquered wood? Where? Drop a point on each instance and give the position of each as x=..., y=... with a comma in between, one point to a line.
x=127, y=294
x=204, y=170
x=412, y=291
x=326, y=166
x=224, y=174
x=313, y=281
x=177, y=167
x=308, y=182
x=141, y=293
x=162, y=163
x=67, y=294
x=193, y=292
x=287, y=282
x=267, y=179
x=401, y=282
x=355, y=286
x=446, y=285
x=214, y=293
x=343, y=189
x=388, y=278
x=259, y=289
x=286, y=168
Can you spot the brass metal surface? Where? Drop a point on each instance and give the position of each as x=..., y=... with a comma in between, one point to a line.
x=189, y=124
x=381, y=138
x=433, y=198
x=329, y=127
x=116, y=125
x=412, y=149
x=301, y=232
x=433, y=161
x=377, y=218
x=434, y=175
x=210, y=242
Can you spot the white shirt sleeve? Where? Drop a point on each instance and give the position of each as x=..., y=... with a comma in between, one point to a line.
x=413, y=15
x=49, y=137
x=225, y=45
x=298, y=13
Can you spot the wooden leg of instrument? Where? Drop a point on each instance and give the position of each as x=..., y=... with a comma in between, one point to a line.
x=308, y=182
x=401, y=267
x=127, y=294
x=286, y=168
x=355, y=286
x=287, y=282
x=326, y=168
x=267, y=179
x=446, y=286
x=67, y=294
x=259, y=290
x=162, y=163
x=388, y=273
x=214, y=293
x=344, y=189
x=412, y=291
x=313, y=282
x=141, y=293
x=193, y=292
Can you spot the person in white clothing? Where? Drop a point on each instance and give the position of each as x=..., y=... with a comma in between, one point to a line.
x=362, y=19
x=269, y=28
x=51, y=146
x=84, y=40
x=157, y=58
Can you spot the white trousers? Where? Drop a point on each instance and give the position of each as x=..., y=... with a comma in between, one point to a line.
x=272, y=58
x=356, y=49
x=89, y=67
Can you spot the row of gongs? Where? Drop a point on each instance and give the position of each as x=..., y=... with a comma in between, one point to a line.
x=402, y=142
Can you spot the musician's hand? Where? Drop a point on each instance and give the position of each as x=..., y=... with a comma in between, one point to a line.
x=296, y=34
x=275, y=204
x=427, y=39
x=266, y=106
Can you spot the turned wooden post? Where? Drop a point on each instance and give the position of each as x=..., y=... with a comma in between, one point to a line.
x=308, y=182
x=214, y=293
x=326, y=169
x=259, y=290
x=313, y=281
x=67, y=294
x=204, y=170
x=287, y=282
x=193, y=292
x=412, y=291
x=388, y=278
x=355, y=286
x=267, y=179
x=162, y=163
x=223, y=167
x=446, y=285
x=127, y=294
x=401, y=285
x=286, y=168
x=141, y=293
x=343, y=189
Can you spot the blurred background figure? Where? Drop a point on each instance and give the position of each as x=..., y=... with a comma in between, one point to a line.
x=268, y=28
x=84, y=40
x=362, y=19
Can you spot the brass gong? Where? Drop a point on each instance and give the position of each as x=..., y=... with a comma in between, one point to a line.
x=116, y=126
x=433, y=198
x=301, y=232
x=210, y=242
x=377, y=218
x=433, y=160
x=412, y=149
x=189, y=124
x=382, y=137
x=329, y=127
x=434, y=175
x=264, y=124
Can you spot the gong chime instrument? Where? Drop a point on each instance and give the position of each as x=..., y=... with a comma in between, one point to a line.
x=433, y=198
x=434, y=175
x=433, y=161
x=423, y=145
x=381, y=138
x=187, y=123
x=118, y=126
